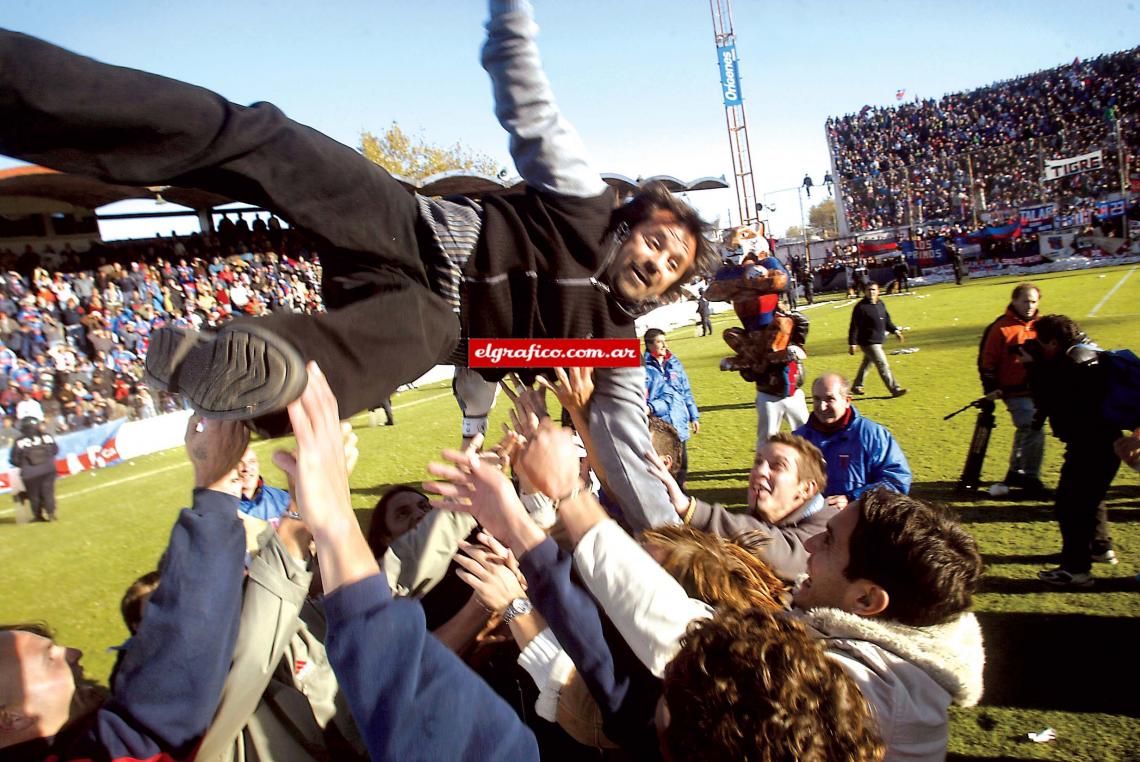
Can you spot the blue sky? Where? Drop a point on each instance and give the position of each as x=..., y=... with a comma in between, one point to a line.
x=638, y=78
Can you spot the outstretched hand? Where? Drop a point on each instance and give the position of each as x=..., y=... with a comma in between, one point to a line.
x=550, y=461
x=529, y=405
x=318, y=469
x=491, y=571
x=472, y=486
x=214, y=448
x=573, y=388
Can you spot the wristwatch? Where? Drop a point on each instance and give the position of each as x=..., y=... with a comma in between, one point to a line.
x=516, y=608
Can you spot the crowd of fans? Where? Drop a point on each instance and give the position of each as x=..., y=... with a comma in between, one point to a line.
x=74, y=329
x=947, y=158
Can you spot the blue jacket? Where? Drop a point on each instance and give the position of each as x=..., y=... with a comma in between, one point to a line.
x=268, y=503
x=168, y=684
x=411, y=697
x=860, y=456
x=668, y=393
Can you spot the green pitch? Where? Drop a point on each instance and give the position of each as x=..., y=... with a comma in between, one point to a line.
x=1062, y=659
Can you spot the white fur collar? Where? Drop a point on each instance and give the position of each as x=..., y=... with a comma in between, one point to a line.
x=951, y=653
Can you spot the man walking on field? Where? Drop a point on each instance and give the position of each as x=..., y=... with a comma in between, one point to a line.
x=870, y=324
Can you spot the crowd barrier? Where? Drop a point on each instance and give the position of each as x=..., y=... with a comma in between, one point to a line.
x=107, y=444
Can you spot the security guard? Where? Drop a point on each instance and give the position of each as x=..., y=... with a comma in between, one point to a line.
x=34, y=454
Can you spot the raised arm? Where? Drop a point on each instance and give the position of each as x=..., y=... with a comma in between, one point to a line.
x=410, y=696
x=170, y=679
x=547, y=150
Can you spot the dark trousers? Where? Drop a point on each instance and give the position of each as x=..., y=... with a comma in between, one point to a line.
x=706, y=325
x=384, y=326
x=41, y=495
x=1086, y=474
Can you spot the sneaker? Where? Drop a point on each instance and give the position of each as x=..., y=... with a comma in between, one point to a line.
x=899, y=392
x=857, y=390
x=1001, y=489
x=242, y=372
x=1107, y=557
x=1063, y=578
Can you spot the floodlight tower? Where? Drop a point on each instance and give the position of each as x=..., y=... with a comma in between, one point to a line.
x=725, y=40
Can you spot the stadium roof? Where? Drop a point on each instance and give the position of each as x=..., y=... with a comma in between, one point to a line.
x=89, y=193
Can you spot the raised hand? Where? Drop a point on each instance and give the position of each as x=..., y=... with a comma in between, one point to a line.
x=529, y=405
x=573, y=388
x=318, y=469
x=489, y=574
x=472, y=486
x=659, y=470
x=550, y=461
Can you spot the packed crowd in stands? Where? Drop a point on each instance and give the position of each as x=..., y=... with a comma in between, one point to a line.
x=74, y=328
x=926, y=153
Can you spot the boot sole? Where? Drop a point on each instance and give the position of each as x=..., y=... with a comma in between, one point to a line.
x=243, y=372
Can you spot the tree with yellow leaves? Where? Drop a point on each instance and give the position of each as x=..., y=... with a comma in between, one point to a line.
x=413, y=158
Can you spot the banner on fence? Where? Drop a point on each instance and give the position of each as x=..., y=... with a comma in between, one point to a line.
x=1078, y=219
x=926, y=253
x=881, y=245
x=108, y=445
x=1106, y=210
x=1055, y=169
x=1034, y=219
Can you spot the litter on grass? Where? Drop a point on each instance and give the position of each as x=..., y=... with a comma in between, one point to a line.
x=1045, y=736
x=904, y=351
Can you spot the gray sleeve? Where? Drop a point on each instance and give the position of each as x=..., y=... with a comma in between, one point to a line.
x=547, y=150
x=620, y=433
x=274, y=593
x=418, y=561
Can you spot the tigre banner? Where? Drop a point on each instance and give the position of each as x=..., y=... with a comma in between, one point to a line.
x=1055, y=169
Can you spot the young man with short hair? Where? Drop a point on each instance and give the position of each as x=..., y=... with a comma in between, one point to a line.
x=889, y=586
x=785, y=504
x=870, y=324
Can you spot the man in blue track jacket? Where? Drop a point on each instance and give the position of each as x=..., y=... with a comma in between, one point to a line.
x=668, y=394
x=860, y=453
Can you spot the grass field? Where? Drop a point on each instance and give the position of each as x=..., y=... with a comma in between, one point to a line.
x=1062, y=659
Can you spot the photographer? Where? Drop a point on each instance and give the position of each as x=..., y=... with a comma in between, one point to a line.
x=1001, y=370
x=1070, y=382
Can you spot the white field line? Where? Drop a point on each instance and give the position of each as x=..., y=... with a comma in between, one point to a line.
x=171, y=467
x=1111, y=291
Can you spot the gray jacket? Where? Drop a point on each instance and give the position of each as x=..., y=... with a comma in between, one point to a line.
x=281, y=700
x=783, y=549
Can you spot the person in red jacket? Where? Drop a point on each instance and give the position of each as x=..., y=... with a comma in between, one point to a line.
x=1004, y=377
